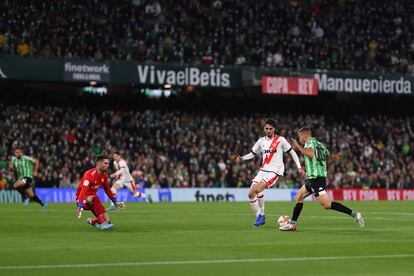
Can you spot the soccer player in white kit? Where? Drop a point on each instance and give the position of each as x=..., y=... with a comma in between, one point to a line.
x=124, y=179
x=272, y=147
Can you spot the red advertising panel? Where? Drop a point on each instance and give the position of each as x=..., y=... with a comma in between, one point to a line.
x=372, y=194
x=289, y=86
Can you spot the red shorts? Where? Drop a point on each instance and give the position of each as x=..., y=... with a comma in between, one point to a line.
x=97, y=207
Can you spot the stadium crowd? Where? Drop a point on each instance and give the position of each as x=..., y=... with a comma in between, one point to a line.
x=325, y=34
x=194, y=149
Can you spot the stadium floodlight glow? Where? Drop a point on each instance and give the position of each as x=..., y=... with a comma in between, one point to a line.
x=167, y=86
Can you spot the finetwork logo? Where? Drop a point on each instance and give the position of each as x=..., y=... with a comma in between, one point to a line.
x=84, y=68
x=2, y=75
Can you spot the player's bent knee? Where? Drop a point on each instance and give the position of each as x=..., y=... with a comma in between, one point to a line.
x=252, y=191
x=89, y=200
x=326, y=205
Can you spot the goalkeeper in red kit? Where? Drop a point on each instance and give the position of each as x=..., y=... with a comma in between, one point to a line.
x=87, y=198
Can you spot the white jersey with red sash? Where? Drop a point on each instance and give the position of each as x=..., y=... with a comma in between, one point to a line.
x=272, y=150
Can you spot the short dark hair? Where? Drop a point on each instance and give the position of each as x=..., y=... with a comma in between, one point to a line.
x=101, y=157
x=305, y=130
x=270, y=121
x=116, y=152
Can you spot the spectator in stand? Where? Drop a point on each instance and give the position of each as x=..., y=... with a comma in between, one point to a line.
x=4, y=182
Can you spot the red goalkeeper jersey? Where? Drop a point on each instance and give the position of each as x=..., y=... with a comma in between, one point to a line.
x=90, y=183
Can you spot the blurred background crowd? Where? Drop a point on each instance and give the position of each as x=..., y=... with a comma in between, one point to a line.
x=195, y=149
x=325, y=34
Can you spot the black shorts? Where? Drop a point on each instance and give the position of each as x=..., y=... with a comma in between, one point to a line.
x=316, y=186
x=28, y=182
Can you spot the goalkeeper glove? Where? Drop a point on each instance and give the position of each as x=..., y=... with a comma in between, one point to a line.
x=120, y=206
x=80, y=209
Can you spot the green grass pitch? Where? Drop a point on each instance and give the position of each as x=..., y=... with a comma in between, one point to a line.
x=207, y=239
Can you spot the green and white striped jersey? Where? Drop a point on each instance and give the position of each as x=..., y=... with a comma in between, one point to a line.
x=316, y=166
x=23, y=166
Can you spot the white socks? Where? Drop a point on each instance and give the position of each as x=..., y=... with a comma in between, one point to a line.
x=255, y=206
x=260, y=200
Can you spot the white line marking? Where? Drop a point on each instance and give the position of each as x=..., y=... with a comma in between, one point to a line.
x=369, y=218
x=189, y=262
x=394, y=213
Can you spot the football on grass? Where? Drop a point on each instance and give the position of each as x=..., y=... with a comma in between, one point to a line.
x=283, y=220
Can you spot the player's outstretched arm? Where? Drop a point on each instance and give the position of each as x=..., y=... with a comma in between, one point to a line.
x=118, y=173
x=297, y=162
x=248, y=156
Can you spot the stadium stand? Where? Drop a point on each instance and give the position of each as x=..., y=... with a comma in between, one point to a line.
x=343, y=34
x=193, y=149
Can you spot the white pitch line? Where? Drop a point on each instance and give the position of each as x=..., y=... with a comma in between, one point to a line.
x=189, y=262
x=370, y=218
x=394, y=213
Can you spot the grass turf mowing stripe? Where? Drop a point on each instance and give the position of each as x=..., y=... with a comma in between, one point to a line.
x=189, y=262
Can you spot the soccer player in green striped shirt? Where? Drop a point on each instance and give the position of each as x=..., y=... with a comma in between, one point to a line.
x=315, y=162
x=22, y=165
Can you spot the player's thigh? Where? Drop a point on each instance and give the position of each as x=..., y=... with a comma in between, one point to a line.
x=129, y=184
x=302, y=194
x=316, y=186
x=261, y=186
x=89, y=199
x=18, y=183
x=98, y=207
x=268, y=179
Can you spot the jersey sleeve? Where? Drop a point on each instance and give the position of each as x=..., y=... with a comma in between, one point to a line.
x=285, y=145
x=256, y=147
x=85, y=184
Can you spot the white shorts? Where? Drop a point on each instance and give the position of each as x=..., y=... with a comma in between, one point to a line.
x=126, y=184
x=270, y=178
